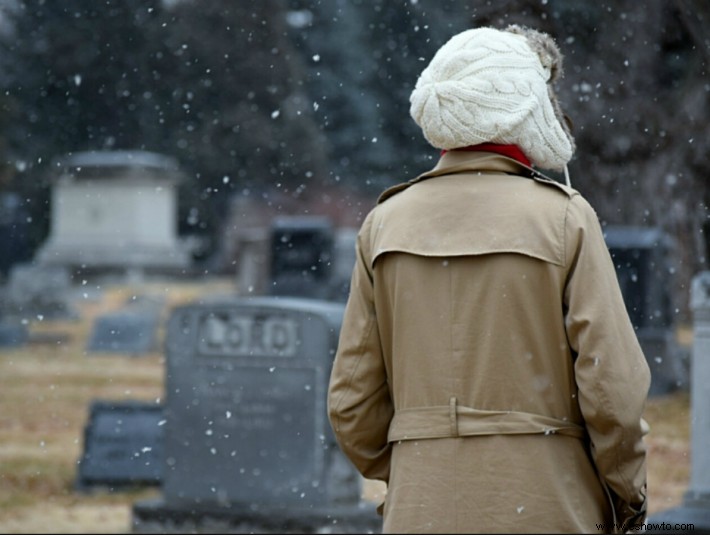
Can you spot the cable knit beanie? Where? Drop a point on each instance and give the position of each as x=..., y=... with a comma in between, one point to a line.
x=495, y=86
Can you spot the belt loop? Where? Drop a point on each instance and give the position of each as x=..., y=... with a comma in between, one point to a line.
x=453, y=423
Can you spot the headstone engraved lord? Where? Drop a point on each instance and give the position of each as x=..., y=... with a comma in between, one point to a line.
x=248, y=447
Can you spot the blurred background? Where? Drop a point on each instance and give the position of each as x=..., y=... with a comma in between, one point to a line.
x=204, y=121
x=303, y=105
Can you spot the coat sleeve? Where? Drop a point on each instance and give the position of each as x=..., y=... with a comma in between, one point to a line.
x=611, y=371
x=359, y=404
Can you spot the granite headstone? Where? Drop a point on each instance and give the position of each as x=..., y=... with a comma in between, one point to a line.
x=247, y=439
x=123, y=445
x=126, y=331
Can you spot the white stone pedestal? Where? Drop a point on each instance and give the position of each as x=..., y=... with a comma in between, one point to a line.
x=115, y=209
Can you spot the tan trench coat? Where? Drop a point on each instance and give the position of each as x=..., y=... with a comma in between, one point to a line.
x=487, y=369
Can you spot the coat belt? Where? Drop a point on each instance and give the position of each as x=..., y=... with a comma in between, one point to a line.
x=453, y=420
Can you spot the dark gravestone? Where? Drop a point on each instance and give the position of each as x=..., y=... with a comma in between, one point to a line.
x=12, y=333
x=123, y=445
x=14, y=231
x=302, y=250
x=132, y=332
x=247, y=440
x=641, y=258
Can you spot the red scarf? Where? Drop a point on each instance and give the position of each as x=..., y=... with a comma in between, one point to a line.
x=511, y=151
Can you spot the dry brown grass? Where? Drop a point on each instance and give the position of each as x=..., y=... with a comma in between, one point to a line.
x=669, y=450
x=46, y=390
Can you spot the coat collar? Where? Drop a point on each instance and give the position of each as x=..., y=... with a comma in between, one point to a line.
x=453, y=162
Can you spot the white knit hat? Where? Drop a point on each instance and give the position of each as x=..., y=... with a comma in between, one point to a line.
x=495, y=86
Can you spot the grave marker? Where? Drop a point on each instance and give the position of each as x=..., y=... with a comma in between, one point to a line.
x=12, y=333
x=131, y=332
x=38, y=291
x=301, y=256
x=695, y=508
x=115, y=210
x=641, y=258
x=123, y=445
x=247, y=439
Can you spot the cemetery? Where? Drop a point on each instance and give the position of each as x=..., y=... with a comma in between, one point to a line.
x=50, y=392
x=184, y=405
x=180, y=192
x=197, y=404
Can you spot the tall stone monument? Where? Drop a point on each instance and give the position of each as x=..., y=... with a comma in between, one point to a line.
x=114, y=210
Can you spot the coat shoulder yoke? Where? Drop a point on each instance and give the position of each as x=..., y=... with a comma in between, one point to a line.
x=454, y=162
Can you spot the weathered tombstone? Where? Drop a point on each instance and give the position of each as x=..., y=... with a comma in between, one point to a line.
x=127, y=331
x=301, y=256
x=695, y=509
x=123, y=446
x=640, y=256
x=248, y=446
x=38, y=291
